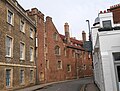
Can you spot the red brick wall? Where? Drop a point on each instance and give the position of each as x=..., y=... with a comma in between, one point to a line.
x=116, y=14
x=46, y=51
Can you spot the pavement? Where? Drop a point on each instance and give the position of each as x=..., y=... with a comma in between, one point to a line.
x=34, y=88
x=91, y=87
x=86, y=87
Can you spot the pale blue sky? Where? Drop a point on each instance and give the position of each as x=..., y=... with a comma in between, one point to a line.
x=75, y=12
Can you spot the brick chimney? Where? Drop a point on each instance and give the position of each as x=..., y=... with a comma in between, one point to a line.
x=83, y=36
x=67, y=34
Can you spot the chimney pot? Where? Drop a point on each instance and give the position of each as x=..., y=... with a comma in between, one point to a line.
x=84, y=36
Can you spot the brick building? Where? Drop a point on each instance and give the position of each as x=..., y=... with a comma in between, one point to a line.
x=59, y=56
x=17, y=47
x=35, y=51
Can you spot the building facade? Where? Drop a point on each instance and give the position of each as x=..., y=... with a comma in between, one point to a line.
x=17, y=47
x=106, y=53
x=32, y=51
x=60, y=57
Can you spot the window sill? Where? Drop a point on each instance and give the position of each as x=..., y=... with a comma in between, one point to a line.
x=10, y=24
x=7, y=56
x=31, y=37
x=31, y=61
x=22, y=32
x=22, y=59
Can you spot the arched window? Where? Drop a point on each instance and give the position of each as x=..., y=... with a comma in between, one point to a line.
x=57, y=50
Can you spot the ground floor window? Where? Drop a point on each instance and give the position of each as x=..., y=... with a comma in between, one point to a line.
x=8, y=77
x=21, y=76
x=69, y=68
x=59, y=64
x=31, y=75
x=41, y=76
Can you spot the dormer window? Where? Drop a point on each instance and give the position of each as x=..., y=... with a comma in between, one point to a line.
x=107, y=24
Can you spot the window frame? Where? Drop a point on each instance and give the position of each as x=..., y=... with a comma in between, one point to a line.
x=11, y=46
x=22, y=58
x=57, y=50
x=11, y=77
x=31, y=75
x=47, y=64
x=22, y=76
x=32, y=58
x=108, y=23
x=22, y=23
x=68, y=67
x=11, y=22
x=59, y=64
x=31, y=33
x=55, y=36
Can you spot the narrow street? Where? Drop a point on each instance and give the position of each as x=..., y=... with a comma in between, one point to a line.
x=74, y=85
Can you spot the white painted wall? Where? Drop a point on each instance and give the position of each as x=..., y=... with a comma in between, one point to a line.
x=104, y=44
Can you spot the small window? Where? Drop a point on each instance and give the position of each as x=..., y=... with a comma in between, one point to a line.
x=31, y=75
x=55, y=36
x=9, y=46
x=22, y=51
x=59, y=65
x=8, y=77
x=47, y=64
x=107, y=24
x=57, y=50
x=73, y=53
x=65, y=51
x=31, y=54
x=21, y=76
x=10, y=17
x=22, y=26
x=116, y=56
x=31, y=33
x=69, y=68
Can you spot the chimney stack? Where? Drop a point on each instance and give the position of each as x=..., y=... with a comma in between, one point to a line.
x=67, y=34
x=83, y=36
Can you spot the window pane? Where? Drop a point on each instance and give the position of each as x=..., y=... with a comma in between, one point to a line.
x=107, y=24
x=31, y=75
x=8, y=46
x=10, y=15
x=21, y=76
x=22, y=50
x=31, y=54
x=116, y=56
x=8, y=77
x=22, y=26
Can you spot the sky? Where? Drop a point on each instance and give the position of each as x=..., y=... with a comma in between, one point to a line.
x=74, y=12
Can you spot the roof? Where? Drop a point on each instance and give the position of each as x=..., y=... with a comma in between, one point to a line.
x=75, y=44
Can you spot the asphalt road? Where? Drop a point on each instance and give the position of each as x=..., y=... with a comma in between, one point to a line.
x=74, y=85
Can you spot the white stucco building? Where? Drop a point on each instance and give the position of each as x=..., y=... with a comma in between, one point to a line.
x=106, y=52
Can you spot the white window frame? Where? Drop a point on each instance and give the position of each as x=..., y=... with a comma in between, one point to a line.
x=31, y=54
x=22, y=26
x=11, y=46
x=11, y=21
x=11, y=77
x=23, y=55
x=31, y=33
x=31, y=75
x=22, y=80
